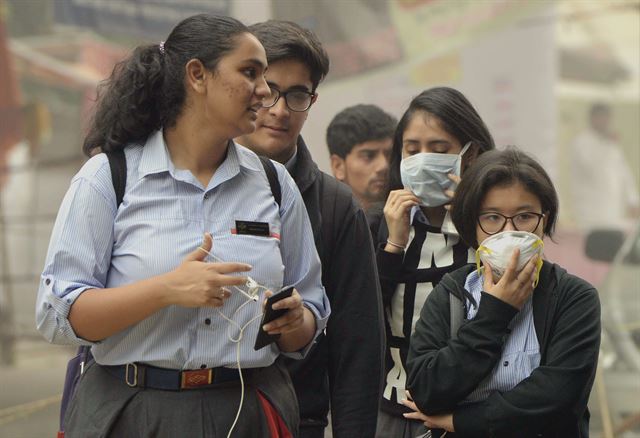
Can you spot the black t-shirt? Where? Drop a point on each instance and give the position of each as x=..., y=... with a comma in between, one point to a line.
x=406, y=281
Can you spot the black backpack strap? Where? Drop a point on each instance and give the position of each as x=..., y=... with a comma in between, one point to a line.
x=272, y=176
x=76, y=366
x=118, y=164
x=456, y=310
x=336, y=201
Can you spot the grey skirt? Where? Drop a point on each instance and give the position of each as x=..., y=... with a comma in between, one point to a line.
x=105, y=406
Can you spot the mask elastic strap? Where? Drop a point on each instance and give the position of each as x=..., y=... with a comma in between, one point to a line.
x=538, y=269
x=464, y=149
x=538, y=244
x=478, y=251
x=458, y=165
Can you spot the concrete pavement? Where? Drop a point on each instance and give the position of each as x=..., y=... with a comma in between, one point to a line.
x=31, y=390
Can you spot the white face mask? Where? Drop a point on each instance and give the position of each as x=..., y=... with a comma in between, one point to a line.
x=425, y=175
x=498, y=249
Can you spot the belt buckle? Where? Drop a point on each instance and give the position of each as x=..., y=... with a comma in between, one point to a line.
x=196, y=378
x=135, y=374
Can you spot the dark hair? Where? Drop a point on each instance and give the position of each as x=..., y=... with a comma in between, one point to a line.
x=456, y=116
x=358, y=124
x=146, y=91
x=499, y=168
x=285, y=40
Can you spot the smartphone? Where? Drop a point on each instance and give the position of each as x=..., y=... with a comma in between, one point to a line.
x=263, y=339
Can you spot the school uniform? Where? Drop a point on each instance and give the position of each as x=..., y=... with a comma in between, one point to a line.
x=509, y=373
x=163, y=216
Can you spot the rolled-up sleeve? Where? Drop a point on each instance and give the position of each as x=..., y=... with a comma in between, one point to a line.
x=79, y=253
x=302, y=264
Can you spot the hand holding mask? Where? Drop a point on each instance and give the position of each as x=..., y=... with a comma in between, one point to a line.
x=426, y=175
x=496, y=250
x=515, y=259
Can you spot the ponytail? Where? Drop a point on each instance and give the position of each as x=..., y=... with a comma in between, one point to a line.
x=146, y=92
x=127, y=107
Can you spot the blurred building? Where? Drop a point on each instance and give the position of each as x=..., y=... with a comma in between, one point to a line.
x=532, y=69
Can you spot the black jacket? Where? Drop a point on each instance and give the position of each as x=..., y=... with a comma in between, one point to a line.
x=551, y=402
x=345, y=369
x=410, y=272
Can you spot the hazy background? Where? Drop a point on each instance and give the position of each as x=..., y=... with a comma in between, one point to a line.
x=532, y=69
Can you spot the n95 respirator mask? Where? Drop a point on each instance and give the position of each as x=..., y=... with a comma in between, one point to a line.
x=497, y=250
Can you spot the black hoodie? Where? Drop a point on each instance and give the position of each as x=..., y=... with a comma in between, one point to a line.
x=551, y=402
x=345, y=369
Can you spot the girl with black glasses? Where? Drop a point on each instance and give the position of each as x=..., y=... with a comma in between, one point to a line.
x=523, y=361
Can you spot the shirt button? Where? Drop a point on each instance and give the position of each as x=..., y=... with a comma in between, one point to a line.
x=206, y=196
x=203, y=366
x=505, y=363
x=207, y=321
x=47, y=281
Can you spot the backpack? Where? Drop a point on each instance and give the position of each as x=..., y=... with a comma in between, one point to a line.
x=456, y=315
x=118, y=166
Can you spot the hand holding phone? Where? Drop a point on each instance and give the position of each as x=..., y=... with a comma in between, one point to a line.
x=263, y=339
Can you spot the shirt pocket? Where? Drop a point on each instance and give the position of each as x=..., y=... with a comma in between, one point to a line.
x=261, y=252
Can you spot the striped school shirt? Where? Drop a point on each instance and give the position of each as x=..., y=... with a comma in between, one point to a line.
x=162, y=218
x=521, y=352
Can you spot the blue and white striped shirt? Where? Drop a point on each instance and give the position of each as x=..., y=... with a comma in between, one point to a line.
x=162, y=218
x=521, y=352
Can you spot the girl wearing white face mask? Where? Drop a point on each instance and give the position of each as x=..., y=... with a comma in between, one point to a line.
x=436, y=138
x=525, y=356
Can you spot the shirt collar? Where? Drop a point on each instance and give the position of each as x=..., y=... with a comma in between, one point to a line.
x=155, y=156
x=474, y=282
x=291, y=163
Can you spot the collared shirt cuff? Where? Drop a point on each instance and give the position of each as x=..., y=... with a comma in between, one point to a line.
x=321, y=324
x=53, y=313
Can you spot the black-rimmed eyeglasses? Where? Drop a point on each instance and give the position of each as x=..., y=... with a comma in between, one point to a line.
x=296, y=100
x=493, y=223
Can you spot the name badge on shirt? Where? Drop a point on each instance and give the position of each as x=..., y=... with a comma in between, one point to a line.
x=252, y=228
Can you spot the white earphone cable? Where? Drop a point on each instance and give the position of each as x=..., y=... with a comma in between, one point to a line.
x=252, y=298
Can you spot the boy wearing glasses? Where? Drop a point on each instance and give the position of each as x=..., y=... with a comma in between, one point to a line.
x=344, y=370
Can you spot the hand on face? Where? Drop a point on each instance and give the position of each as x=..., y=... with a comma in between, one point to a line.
x=397, y=212
x=514, y=288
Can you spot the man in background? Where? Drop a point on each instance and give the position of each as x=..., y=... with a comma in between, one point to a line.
x=359, y=140
x=344, y=370
x=603, y=189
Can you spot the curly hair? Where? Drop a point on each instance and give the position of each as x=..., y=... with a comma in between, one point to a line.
x=146, y=90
